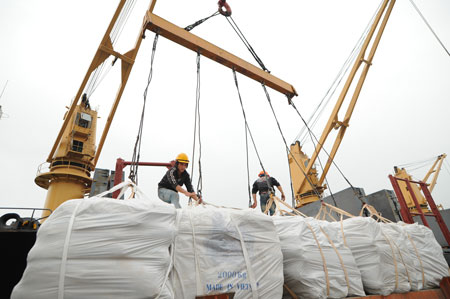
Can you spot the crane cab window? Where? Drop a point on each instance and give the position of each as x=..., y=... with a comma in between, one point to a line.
x=77, y=146
x=83, y=120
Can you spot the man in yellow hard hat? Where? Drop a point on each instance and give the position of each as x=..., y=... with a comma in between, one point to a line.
x=171, y=183
x=264, y=185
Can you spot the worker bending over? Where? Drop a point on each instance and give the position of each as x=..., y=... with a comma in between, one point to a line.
x=171, y=183
x=264, y=184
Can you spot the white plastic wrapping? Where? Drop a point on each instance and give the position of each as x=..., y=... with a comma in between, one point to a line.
x=427, y=253
x=220, y=250
x=372, y=253
x=101, y=248
x=407, y=272
x=313, y=268
x=355, y=285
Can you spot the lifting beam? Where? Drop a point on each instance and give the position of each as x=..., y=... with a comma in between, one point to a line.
x=197, y=44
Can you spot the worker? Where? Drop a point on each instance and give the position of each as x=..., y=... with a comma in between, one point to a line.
x=264, y=184
x=171, y=183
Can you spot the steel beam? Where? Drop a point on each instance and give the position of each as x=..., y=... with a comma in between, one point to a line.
x=121, y=164
x=416, y=202
x=436, y=212
x=404, y=210
x=207, y=49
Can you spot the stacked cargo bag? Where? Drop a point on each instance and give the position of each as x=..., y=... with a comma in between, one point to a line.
x=102, y=248
x=427, y=254
x=354, y=282
x=314, y=265
x=219, y=250
x=372, y=253
x=408, y=274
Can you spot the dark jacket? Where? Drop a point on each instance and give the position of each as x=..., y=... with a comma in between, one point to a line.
x=171, y=179
x=262, y=186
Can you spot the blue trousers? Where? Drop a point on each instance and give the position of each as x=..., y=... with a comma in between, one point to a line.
x=263, y=199
x=169, y=196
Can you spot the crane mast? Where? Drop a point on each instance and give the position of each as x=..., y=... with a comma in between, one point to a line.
x=308, y=186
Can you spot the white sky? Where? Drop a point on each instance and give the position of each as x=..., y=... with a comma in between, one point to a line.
x=402, y=115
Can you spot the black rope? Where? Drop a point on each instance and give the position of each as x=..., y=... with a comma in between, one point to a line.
x=246, y=43
x=137, y=146
x=248, y=168
x=197, y=123
x=246, y=144
x=285, y=143
x=192, y=26
x=431, y=29
x=290, y=180
x=251, y=136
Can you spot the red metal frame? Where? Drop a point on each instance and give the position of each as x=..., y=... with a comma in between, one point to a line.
x=407, y=215
x=121, y=164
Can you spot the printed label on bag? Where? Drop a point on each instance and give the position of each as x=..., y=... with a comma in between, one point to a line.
x=231, y=281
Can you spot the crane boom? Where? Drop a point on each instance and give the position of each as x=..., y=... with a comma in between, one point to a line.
x=434, y=170
x=303, y=188
x=403, y=174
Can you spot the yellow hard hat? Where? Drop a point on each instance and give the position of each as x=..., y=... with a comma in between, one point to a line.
x=182, y=158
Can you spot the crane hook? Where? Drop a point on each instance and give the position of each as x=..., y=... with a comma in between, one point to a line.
x=223, y=4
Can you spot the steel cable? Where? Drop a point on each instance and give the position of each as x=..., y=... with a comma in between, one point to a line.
x=251, y=136
x=302, y=135
x=192, y=26
x=285, y=143
x=137, y=146
x=246, y=43
x=197, y=123
x=323, y=148
x=100, y=72
x=417, y=162
x=429, y=27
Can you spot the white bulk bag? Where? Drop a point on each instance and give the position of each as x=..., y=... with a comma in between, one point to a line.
x=314, y=266
x=408, y=275
x=355, y=285
x=372, y=253
x=427, y=253
x=102, y=248
x=219, y=250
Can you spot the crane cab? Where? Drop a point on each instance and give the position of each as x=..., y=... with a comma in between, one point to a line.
x=69, y=174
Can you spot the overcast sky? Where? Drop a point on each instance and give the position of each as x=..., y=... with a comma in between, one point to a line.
x=402, y=115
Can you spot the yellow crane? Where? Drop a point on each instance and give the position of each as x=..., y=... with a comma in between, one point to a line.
x=74, y=154
x=403, y=174
x=307, y=185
